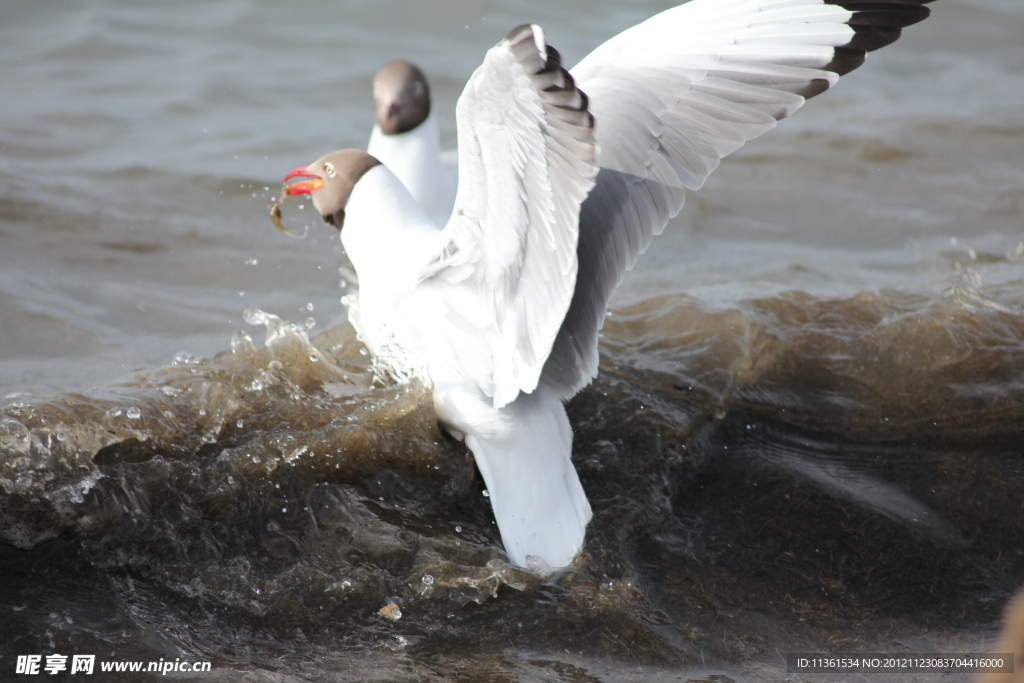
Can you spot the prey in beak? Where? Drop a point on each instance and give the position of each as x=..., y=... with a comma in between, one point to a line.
x=315, y=182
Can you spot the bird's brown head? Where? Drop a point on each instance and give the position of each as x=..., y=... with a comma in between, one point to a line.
x=401, y=97
x=330, y=180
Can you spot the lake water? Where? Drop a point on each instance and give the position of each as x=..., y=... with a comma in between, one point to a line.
x=808, y=433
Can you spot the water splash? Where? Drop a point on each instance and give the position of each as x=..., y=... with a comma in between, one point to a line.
x=795, y=446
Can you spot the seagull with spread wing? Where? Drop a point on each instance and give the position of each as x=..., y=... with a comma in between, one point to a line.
x=564, y=179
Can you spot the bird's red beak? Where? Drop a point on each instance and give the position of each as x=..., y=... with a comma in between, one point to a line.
x=303, y=186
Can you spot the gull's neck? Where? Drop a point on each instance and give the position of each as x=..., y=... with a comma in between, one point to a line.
x=385, y=230
x=415, y=158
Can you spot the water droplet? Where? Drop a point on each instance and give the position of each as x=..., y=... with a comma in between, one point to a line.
x=252, y=262
x=113, y=412
x=428, y=580
x=240, y=341
x=231, y=480
x=313, y=357
x=256, y=459
x=284, y=509
x=310, y=323
x=169, y=391
x=458, y=529
x=239, y=423
x=487, y=494
x=133, y=413
x=255, y=316
x=309, y=306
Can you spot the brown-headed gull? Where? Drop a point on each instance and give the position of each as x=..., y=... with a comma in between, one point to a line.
x=406, y=138
x=565, y=177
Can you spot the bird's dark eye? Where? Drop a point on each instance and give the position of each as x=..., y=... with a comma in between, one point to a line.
x=329, y=169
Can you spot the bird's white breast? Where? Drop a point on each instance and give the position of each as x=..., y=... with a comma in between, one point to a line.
x=389, y=240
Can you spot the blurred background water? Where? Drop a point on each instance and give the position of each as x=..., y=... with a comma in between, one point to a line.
x=807, y=434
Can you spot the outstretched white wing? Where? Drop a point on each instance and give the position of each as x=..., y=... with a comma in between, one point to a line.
x=506, y=272
x=675, y=94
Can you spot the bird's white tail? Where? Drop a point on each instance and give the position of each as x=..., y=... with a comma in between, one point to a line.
x=539, y=504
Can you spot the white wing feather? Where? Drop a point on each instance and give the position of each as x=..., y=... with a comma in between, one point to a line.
x=675, y=94
x=506, y=272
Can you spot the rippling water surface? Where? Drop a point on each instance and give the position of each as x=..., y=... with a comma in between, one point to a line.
x=807, y=435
